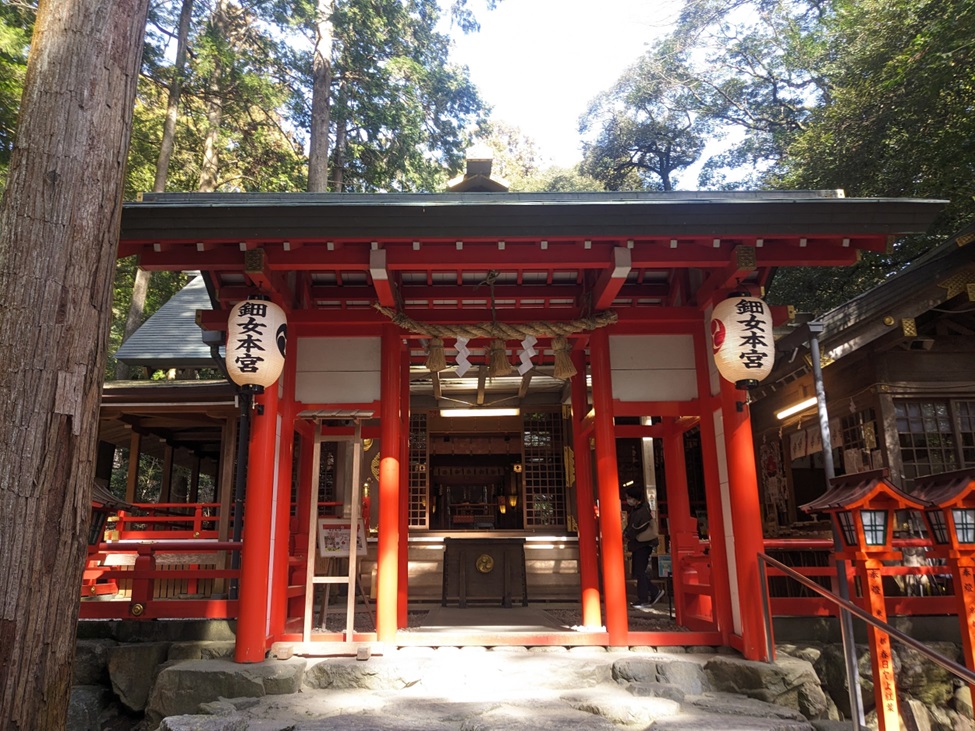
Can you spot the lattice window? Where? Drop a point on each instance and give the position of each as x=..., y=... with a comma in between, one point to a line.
x=965, y=413
x=327, y=463
x=295, y=472
x=859, y=430
x=544, y=470
x=419, y=483
x=935, y=436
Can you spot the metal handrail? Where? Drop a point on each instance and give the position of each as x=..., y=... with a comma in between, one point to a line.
x=951, y=666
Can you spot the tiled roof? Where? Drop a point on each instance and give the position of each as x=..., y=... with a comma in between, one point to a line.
x=171, y=337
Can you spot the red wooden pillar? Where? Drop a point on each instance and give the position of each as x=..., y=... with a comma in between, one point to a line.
x=588, y=547
x=607, y=474
x=963, y=574
x=281, y=520
x=307, y=496
x=964, y=568
x=683, y=526
x=143, y=588
x=746, y=517
x=252, y=617
x=881, y=656
x=403, y=587
x=717, y=545
x=387, y=595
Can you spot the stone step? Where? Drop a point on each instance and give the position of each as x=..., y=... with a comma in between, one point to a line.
x=184, y=685
x=481, y=688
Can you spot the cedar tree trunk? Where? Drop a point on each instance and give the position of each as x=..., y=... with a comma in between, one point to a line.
x=172, y=102
x=321, y=74
x=140, y=285
x=210, y=167
x=59, y=223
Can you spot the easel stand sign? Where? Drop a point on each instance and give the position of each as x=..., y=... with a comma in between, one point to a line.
x=334, y=542
x=334, y=538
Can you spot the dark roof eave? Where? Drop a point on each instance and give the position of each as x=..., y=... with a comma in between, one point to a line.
x=163, y=391
x=162, y=362
x=403, y=216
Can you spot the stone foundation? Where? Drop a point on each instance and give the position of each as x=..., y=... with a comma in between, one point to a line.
x=181, y=676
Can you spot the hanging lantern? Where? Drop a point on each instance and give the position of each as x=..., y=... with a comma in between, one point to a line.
x=742, y=341
x=256, y=335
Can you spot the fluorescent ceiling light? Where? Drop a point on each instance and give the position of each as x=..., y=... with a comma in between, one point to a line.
x=796, y=408
x=480, y=412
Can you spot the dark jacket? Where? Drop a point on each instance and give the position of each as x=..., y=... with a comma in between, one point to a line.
x=640, y=518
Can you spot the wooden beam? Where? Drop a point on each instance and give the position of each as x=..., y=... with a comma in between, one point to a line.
x=165, y=493
x=612, y=278
x=256, y=270
x=135, y=444
x=380, y=278
x=657, y=408
x=439, y=256
x=223, y=258
x=824, y=254
x=743, y=262
x=525, y=382
x=482, y=373
x=680, y=288
x=636, y=431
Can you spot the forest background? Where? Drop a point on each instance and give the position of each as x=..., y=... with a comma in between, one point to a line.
x=873, y=97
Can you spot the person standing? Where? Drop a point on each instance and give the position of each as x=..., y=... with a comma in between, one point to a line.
x=642, y=539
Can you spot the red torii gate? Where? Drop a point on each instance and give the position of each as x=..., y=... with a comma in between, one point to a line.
x=659, y=261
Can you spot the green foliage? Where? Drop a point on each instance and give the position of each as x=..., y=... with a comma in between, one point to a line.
x=561, y=180
x=899, y=119
x=148, y=485
x=758, y=72
x=646, y=126
x=517, y=160
x=898, y=124
x=463, y=17
x=515, y=156
x=751, y=68
x=16, y=24
x=869, y=96
x=406, y=110
x=257, y=149
x=401, y=113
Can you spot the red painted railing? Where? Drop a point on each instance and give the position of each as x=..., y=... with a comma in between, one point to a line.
x=167, y=563
x=160, y=521
x=163, y=561
x=173, y=579
x=924, y=589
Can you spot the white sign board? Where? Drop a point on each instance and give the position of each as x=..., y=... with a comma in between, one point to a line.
x=334, y=536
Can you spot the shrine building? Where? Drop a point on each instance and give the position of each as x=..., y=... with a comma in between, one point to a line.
x=474, y=377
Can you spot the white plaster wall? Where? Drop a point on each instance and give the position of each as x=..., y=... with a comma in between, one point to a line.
x=338, y=370
x=653, y=367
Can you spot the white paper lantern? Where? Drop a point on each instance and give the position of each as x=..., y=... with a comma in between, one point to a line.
x=741, y=337
x=256, y=336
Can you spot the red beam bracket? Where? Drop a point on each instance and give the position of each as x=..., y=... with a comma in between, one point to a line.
x=612, y=278
x=380, y=278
